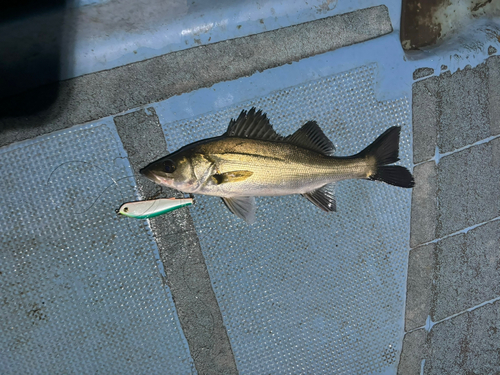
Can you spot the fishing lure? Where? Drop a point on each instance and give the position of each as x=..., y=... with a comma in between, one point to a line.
x=153, y=208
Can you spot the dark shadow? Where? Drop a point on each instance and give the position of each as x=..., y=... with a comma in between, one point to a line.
x=33, y=41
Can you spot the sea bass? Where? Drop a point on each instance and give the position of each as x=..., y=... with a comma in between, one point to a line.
x=250, y=159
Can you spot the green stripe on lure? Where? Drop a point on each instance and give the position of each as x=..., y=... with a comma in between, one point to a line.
x=153, y=208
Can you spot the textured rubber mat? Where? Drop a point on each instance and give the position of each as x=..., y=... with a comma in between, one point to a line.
x=302, y=291
x=80, y=291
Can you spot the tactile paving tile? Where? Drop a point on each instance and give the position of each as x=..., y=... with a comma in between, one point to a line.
x=80, y=291
x=303, y=291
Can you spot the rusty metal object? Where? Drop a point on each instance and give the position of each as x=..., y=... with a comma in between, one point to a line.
x=426, y=23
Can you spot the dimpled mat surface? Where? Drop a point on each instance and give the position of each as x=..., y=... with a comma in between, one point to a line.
x=303, y=291
x=80, y=291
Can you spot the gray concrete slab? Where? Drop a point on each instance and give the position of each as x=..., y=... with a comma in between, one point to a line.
x=419, y=291
x=425, y=110
x=454, y=110
x=197, y=307
x=483, y=341
x=464, y=113
x=415, y=350
x=493, y=64
x=451, y=278
x=468, y=270
x=180, y=252
x=422, y=72
x=445, y=340
x=111, y=92
x=455, y=208
x=466, y=344
x=424, y=204
x=468, y=188
x=143, y=139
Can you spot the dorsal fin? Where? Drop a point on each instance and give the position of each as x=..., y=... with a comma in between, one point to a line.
x=252, y=124
x=311, y=137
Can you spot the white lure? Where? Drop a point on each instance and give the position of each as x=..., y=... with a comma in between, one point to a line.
x=152, y=208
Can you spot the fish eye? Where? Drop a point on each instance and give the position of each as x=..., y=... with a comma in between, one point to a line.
x=169, y=166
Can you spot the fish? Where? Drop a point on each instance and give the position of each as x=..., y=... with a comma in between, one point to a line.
x=251, y=159
x=152, y=208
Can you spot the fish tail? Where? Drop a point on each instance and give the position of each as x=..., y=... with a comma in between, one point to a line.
x=385, y=150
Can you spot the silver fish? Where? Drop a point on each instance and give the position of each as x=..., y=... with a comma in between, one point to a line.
x=251, y=160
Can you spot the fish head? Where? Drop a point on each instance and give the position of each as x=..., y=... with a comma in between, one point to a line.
x=174, y=170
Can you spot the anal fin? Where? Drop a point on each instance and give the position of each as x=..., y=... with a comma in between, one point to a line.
x=243, y=207
x=324, y=198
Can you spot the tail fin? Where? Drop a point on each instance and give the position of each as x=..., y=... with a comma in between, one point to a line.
x=385, y=149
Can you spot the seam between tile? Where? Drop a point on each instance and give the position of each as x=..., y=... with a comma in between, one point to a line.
x=438, y=156
x=422, y=365
x=429, y=323
x=461, y=231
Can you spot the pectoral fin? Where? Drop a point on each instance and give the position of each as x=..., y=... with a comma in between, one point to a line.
x=243, y=207
x=324, y=198
x=233, y=176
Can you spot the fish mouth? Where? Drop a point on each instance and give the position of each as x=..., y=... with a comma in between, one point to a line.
x=148, y=173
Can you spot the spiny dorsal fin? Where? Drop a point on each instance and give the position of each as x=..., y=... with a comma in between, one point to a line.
x=311, y=137
x=252, y=124
x=324, y=197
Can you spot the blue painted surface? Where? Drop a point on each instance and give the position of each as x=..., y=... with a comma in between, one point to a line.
x=80, y=291
x=119, y=33
x=111, y=34
x=143, y=30
x=393, y=78
x=102, y=34
x=302, y=290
